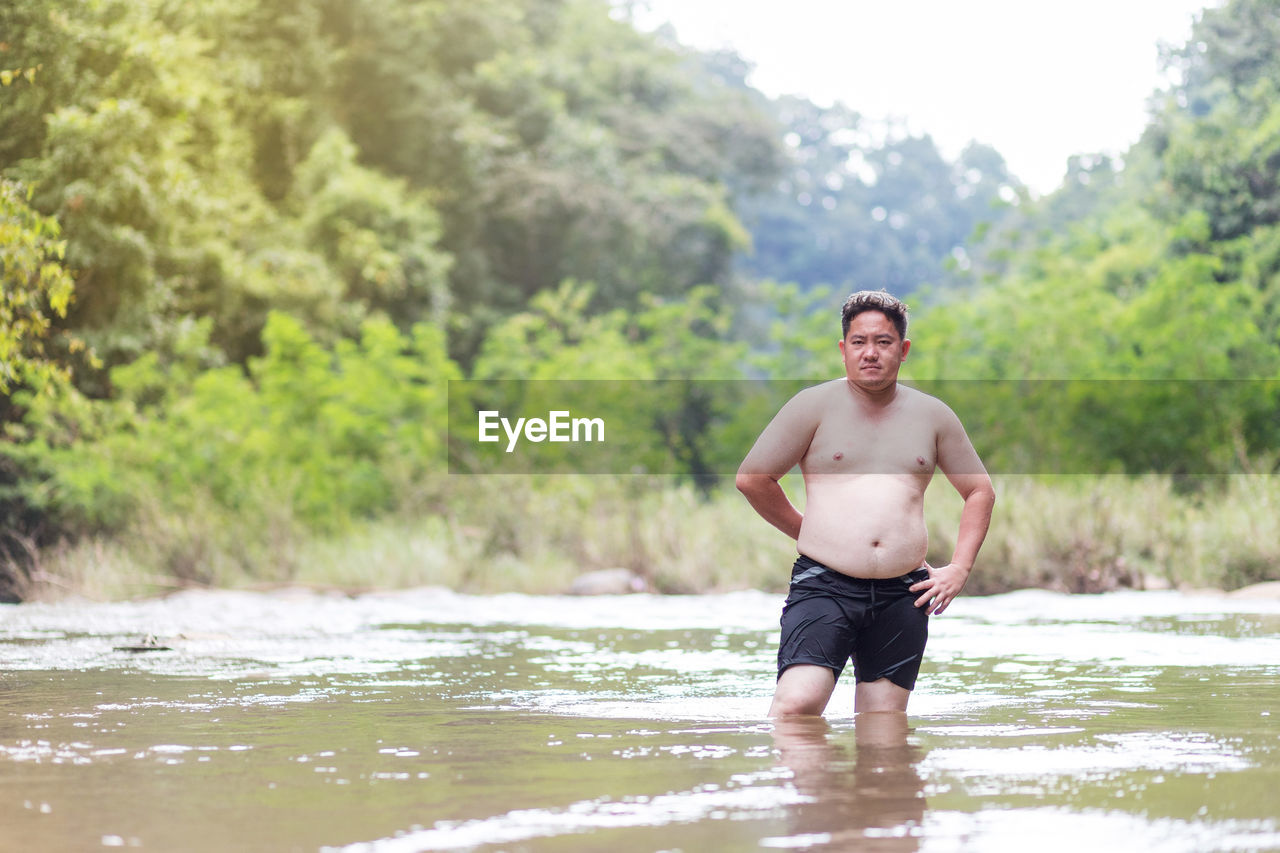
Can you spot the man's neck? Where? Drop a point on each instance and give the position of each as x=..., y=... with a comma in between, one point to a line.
x=874, y=396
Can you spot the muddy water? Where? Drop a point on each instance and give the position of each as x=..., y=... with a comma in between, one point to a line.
x=431, y=721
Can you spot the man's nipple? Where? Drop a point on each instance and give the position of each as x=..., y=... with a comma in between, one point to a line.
x=838, y=455
x=919, y=460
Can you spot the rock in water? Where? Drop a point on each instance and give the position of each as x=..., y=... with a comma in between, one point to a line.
x=608, y=582
x=1264, y=590
x=149, y=643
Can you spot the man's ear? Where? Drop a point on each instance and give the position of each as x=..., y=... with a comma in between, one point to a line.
x=906, y=345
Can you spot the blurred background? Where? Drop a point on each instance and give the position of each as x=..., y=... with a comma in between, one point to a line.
x=244, y=245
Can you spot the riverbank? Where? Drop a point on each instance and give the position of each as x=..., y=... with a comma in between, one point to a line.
x=520, y=534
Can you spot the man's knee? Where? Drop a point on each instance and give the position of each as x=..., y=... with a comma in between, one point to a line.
x=797, y=706
x=803, y=689
x=880, y=695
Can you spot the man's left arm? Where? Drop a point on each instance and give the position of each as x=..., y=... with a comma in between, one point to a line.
x=960, y=463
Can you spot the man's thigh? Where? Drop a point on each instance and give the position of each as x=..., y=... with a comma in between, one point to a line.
x=891, y=643
x=818, y=627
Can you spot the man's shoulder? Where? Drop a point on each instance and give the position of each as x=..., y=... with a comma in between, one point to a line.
x=927, y=404
x=831, y=386
x=933, y=410
x=809, y=404
x=815, y=394
x=918, y=397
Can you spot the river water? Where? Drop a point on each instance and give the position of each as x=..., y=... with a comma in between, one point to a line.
x=427, y=720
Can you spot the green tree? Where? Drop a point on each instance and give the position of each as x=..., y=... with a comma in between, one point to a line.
x=35, y=288
x=559, y=143
x=857, y=209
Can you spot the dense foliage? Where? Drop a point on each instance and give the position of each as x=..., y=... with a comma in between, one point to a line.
x=1165, y=273
x=245, y=244
x=866, y=207
x=34, y=288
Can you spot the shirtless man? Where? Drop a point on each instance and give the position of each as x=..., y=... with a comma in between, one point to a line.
x=867, y=448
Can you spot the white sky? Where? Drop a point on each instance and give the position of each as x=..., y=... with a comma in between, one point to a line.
x=1038, y=79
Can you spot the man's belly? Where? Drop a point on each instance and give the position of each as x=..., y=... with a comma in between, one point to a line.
x=868, y=526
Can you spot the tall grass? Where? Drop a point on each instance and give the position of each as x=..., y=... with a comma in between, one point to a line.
x=1096, y=533
x=523, y=534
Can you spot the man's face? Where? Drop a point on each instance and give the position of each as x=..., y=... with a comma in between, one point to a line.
x=873, y=351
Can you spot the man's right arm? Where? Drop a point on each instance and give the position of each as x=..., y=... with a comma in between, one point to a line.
x=778, y=449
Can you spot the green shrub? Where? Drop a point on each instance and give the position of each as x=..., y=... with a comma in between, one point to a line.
x=306, y=439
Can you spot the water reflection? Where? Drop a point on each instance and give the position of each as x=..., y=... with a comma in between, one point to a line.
x=873, y=800
x=427, y=720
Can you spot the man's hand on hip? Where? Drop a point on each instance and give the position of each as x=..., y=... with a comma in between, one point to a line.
x=944, y=584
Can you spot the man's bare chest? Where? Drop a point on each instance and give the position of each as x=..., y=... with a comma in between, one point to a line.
x=856, y=446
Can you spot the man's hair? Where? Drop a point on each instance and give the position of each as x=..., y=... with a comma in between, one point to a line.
x=874, y=300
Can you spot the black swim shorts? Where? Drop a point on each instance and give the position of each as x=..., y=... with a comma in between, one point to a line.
x=829, y=617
